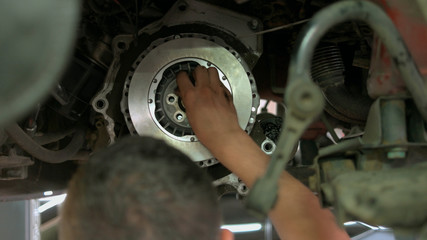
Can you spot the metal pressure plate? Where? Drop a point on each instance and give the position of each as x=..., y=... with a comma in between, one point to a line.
x=146, y=94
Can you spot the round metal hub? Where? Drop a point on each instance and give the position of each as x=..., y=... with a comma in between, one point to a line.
x=150, y=102
x=168, y=112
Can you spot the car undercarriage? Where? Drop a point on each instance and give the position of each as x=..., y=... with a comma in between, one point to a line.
x=347, y=80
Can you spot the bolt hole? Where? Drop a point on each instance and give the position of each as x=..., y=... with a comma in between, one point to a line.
x=100, y=104
x=99, y=124
x=171, y=99
x=121, y=45
x=306, y=97
x=268, y=147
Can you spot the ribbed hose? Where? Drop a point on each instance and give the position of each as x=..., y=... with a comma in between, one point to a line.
x=327, y=64
x=32, y=147
x=327, y=71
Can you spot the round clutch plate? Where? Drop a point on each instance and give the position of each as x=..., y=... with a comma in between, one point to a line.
x=151, y=105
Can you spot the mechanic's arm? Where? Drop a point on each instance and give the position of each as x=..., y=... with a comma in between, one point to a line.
x=211, y=113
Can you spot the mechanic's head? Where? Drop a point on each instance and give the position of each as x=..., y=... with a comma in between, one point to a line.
x=140, y=188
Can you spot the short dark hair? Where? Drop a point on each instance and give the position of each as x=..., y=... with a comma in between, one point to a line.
x=140, y=188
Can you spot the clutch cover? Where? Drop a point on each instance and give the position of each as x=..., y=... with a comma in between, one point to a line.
x=150, y=102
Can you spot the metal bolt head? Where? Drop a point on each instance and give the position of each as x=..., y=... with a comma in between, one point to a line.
x=179, y=117
x=150, y=100
x=253, y=24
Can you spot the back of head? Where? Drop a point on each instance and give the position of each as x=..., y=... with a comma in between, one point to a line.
x=140, y=188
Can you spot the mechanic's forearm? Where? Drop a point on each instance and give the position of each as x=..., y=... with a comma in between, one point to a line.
x=240, y=154
x=297, y=213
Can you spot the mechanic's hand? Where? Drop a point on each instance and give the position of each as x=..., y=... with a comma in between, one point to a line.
x=209, y=106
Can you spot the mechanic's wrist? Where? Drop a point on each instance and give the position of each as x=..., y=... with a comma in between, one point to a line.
x=220, y=140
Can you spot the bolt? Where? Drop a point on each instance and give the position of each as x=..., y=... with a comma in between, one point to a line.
x=150, y=100
x=224, y=78
x=154, y=80
x=99, y=124
x=192, y=139
x=253, y=24
x=179, y=117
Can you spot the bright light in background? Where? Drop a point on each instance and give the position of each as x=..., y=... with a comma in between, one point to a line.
x=52, y=202
x=271, y=107
x=242, y=228
x=48, y=193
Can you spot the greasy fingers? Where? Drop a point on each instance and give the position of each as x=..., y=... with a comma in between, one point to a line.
x=184, y=83
x=214, y=77
x=209, y=110
x=201, y=76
